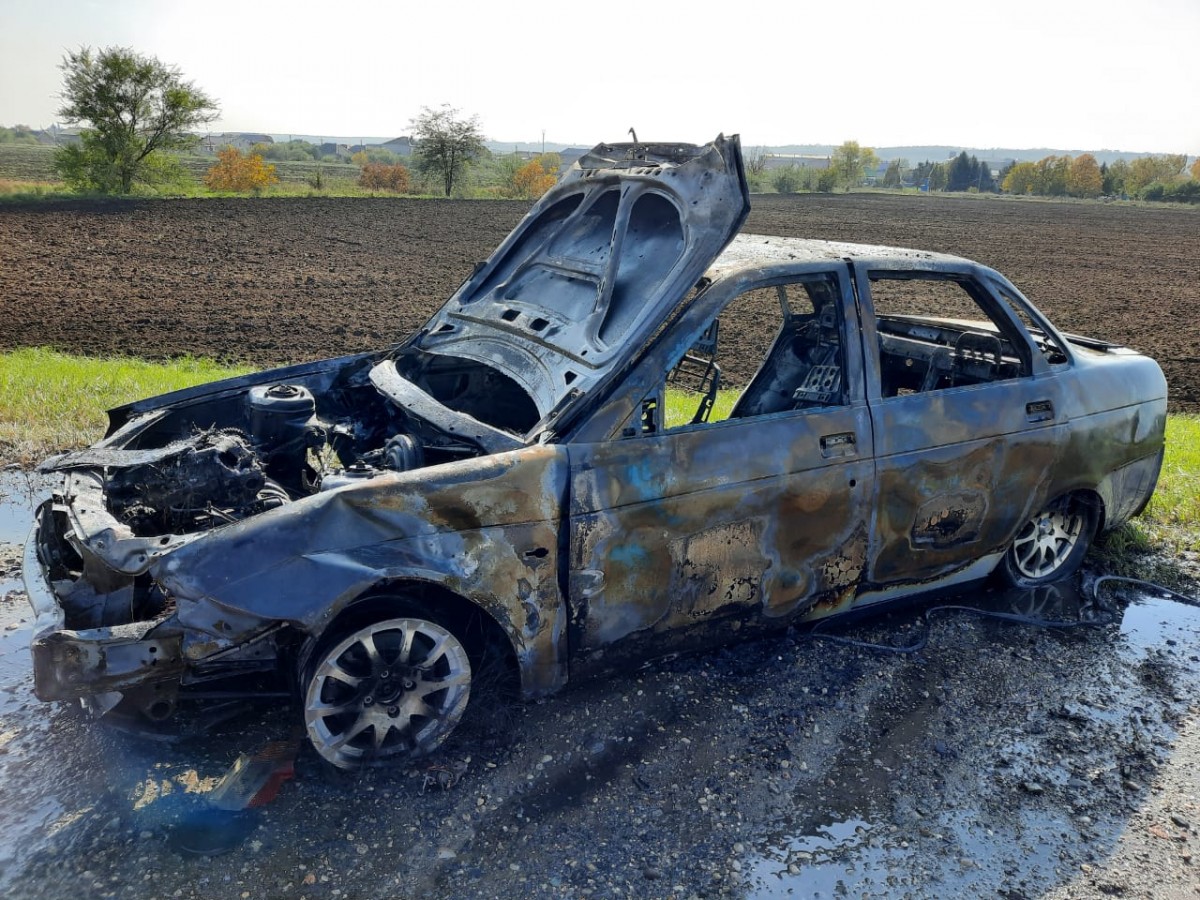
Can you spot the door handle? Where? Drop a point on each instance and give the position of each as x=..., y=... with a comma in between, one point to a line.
x=1039, y=411
x=840, y=444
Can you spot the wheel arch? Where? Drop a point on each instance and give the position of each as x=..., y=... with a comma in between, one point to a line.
x=489, y=642
x=1007, y=569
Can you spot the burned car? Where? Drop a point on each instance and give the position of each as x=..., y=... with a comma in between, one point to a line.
x=565, y=470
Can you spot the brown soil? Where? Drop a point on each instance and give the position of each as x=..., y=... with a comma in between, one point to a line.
x=274, y=281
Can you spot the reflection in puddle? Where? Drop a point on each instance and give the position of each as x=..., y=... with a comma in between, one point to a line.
x=1152, y=623
x=881, y=840
x=20, y=492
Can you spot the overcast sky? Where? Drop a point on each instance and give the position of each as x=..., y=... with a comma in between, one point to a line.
x=1021, y=73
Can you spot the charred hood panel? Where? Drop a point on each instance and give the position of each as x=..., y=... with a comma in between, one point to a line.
x=594, y=267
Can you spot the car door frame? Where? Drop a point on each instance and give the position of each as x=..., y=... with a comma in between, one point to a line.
x=984, y=453
x=612, y=472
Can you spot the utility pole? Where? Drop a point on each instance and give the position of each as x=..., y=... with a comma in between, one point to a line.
x=543, y=142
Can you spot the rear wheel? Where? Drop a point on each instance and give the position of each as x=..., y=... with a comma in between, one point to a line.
x=1052, y=544
x=385, y=690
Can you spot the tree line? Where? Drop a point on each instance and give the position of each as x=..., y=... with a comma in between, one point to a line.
x=1163, y=177
x=139, y=112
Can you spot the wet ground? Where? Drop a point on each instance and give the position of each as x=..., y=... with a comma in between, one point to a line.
x=1002, y=759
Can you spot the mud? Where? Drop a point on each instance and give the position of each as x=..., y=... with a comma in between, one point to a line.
x=1001, y=760
x=285, y=280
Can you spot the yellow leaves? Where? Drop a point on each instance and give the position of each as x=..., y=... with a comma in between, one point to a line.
x=1021, y=179
x=531, y=180
x=382, y=177
x=240, y=172
x=1084, y=178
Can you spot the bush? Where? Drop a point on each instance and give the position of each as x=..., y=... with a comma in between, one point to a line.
x=384, y=177
x=787, y=180
x=531, y=181
x=1178, y=192
x=240, y=172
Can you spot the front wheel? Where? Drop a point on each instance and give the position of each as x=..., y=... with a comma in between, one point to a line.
x=1051, y=545
x=386, y=691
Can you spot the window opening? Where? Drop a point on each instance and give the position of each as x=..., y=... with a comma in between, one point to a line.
x=773, y=349
x=937, y=332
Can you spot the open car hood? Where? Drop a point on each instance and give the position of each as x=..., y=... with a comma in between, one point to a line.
x=594, y=268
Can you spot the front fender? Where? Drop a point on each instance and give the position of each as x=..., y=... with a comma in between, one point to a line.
x=485, y=529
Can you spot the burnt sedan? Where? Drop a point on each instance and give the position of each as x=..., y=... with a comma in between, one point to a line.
x=563, y=471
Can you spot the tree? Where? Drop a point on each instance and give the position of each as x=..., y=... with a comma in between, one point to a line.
x=755, y=161
x=894, y=176
x=850, y=163
x=1196, y=170
x=931, y=176
x=446, y=143
x=1022, y=178
x=962, y=172
x=1052, y=175
x=1084, y=178
x=1146, y=170
x=530, y=180
x=240, y=172
x=1114, y=177
x=136, y=108
x=787, y=179
x=18, y=134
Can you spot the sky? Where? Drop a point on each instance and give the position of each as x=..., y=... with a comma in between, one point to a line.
x=1061, y=74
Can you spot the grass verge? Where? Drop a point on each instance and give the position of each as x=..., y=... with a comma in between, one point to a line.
x=52, y=401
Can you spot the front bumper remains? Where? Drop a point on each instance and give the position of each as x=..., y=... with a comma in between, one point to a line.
x=70, y=664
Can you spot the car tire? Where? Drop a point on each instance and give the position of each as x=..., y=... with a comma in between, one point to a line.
x=385, y=690
x=1051, y=545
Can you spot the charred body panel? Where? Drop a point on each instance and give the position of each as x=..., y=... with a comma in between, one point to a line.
x=510, y=479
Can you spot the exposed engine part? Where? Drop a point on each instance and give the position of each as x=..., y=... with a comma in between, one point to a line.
x=402, y=453
x=213, y=479
x=279, y=411
x=359, y=471
x=282, y=420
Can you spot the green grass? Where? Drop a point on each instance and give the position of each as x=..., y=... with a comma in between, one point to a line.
x=682, y=406
x=1171, y=523
x=52, y=401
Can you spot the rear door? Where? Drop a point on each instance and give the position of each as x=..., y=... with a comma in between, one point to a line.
x=968, y=420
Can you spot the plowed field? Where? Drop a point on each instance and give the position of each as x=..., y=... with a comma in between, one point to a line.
x=283, y=280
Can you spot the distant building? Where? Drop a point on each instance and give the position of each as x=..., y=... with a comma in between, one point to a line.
x=799, y=160
x=401, y=146
x=331, y=149
x=57, y=136
x=240, y=140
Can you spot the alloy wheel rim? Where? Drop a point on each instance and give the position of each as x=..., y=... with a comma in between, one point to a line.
x=1045, y=543
x=393, y=688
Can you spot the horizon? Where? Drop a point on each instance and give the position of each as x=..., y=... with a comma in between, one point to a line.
x=1029, y=76
x=998, y=153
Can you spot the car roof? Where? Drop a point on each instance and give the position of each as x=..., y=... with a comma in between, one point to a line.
x=755, y=251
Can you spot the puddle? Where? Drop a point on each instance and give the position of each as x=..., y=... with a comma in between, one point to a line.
x=881, y=839
x=20, y=492
x=1151, y=624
